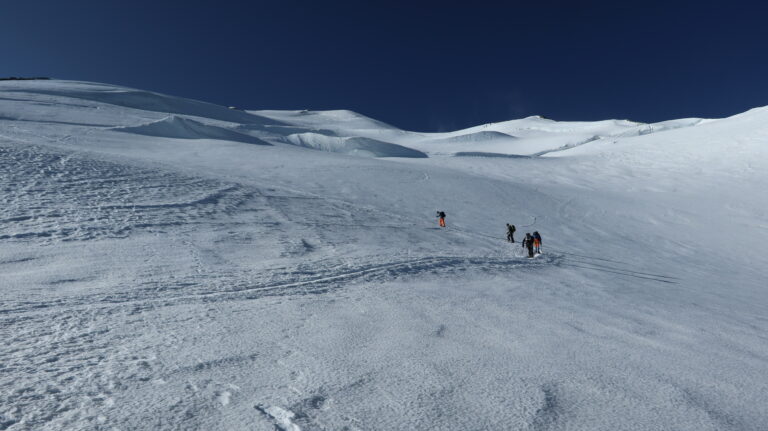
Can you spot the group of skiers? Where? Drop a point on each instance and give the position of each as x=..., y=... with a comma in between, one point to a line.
x=531, y=241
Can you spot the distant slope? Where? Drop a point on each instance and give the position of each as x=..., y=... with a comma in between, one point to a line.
x=133, y=99
x=352, y=145
x=527, y=136
x=342, y=119
x=184, y=128
x=339, y=131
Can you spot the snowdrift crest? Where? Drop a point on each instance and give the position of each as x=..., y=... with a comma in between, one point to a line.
x=138, y=99
x=354, y=145
x=184, y=128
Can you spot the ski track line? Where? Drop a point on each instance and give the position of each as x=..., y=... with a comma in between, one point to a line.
x=586, y=256
x=381, y=272
x=649, y=274
x=626, y=274
x=566, y=256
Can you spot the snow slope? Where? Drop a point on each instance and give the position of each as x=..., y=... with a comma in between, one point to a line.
x=353, y=145
x=159, y=271
x=183, y=128
x=528, y=136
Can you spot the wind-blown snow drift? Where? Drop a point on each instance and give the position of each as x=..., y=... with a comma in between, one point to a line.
x=184, y=128
x=353, y=145
x=140, y=100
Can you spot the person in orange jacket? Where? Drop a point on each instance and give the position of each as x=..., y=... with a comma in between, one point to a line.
x=441, y=217
x=537, y=242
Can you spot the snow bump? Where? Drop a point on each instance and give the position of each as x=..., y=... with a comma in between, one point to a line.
x=183, y=128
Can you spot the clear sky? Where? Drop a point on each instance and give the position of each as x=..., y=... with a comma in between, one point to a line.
x=430, y=65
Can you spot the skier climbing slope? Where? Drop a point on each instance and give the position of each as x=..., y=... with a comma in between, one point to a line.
x=441, y=218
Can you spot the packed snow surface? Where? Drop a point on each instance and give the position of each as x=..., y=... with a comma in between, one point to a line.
x=159, y=271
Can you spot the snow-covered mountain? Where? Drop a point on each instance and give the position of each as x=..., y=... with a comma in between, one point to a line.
x=172, y=264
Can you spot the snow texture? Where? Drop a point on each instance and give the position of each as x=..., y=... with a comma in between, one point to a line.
x=159, y=271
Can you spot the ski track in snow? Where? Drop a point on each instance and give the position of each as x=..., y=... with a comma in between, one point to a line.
x=297, y=281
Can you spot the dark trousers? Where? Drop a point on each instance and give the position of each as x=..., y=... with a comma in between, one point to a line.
x=530, y=250
x=510, y=237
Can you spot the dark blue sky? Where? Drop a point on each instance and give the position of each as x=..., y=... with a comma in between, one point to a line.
x=418, y=65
